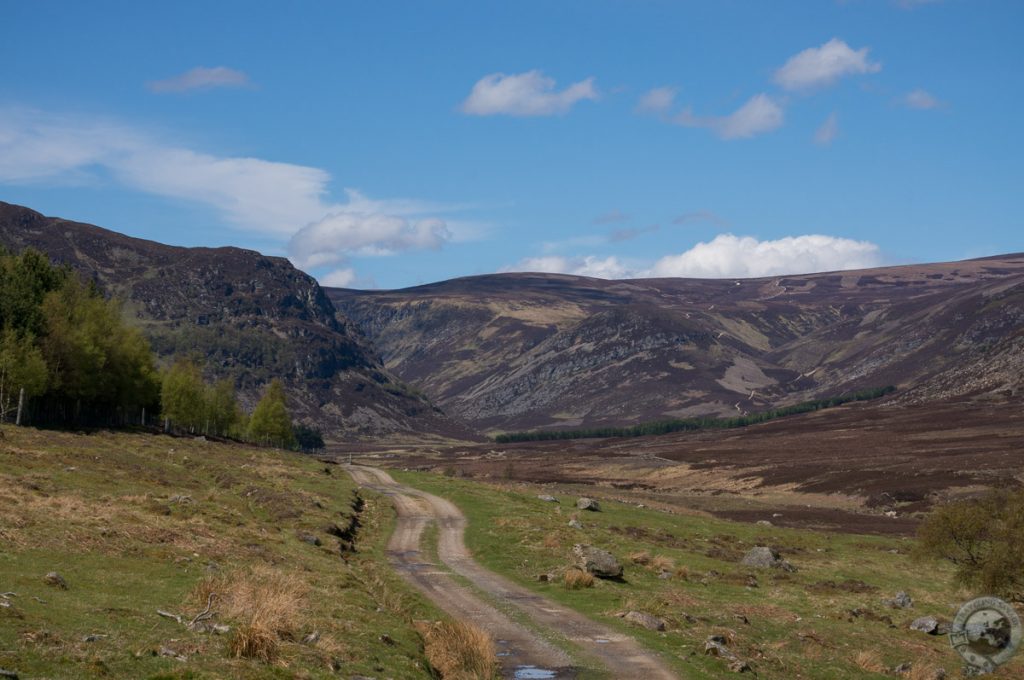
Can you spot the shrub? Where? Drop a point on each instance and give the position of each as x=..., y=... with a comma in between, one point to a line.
x=983, y=537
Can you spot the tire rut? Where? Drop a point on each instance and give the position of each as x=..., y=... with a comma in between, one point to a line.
x=519, y=646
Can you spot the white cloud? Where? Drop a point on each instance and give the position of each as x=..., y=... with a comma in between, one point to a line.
x=524, y=94
x=758, y=115
x=658, y=100
x=282, y=200
x=339, y=278
x=200, y=78
x=589, y=265
x=728, y=256
x=821, y=66
x=828, y=130
x=921, y=99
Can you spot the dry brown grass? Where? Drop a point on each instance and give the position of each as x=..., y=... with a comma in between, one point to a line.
x=870, y=661
x=574, y=579
x=663, y=563
x=552, y=540
x=682, y=573
x=266, y=603
x=459, y=651
x=643, y=557
x=923, y=671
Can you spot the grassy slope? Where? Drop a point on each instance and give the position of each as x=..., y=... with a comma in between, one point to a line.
x=98, y=509
x=797, y=627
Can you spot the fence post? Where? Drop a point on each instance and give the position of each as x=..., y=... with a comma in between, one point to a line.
x=21, y=404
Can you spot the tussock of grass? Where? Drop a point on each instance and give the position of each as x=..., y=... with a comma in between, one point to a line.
x=662, y=563
x=459, y=651
x=641, y=557
x=870, y=661
x=574, y=579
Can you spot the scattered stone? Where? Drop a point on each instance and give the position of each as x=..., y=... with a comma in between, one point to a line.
x=180, y=500
x=387, y=639
x=547, y=498
x=310, y=538
x=764, y=523
x=648, y=621
x=664, y=575
x=776, y=514
x=588, y=504
x=93, y=637
x=4, y=673
x=167, y=651
x=751, y=581
x=56, y=580
x=890, y=513
x=575, y=523
x=902, y=669
x=740, y=666
x=929, y=625
x=715, y=646
x=600, y=563
x=901, y=601
x=763, y=557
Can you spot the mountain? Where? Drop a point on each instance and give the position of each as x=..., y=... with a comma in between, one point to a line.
x=523, y=351
x=250, y=317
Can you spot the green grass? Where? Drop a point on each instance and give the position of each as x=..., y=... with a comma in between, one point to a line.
x=797, y=627
x=99, y=510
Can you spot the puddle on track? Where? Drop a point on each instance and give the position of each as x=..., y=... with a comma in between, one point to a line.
x=533, y=673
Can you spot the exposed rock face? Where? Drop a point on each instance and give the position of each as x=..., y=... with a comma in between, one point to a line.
x=588, y=504
x=527, y=351
x=763, y=557
x=598, y=562
x=252, y=317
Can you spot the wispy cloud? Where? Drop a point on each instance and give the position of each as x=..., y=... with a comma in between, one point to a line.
x=339, y=278
x=282, y=200
x=200, y=78
x=588, y=265
x=620, y=235
x=760, y=114
x=525, y=94
x=700, y=216
x=611, y=217
x=921, y=99
x=827, y=131
x=658, y=100
x=821, y=66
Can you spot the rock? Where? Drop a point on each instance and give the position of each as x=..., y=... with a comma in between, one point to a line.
x=764, y=522
x=547, y=498
x=575, y=523
x=56, y=580
x=740, y=666
x=545, y=578
x=927, y=624
x=94, y=637
x=715, y=646
x=901, y=601
x=902, y=669
x=648, y=621
x=664, y=575
x=4, y=673
x=764, y=557
x=600, y=563
x=310, y=538
x=588, y=504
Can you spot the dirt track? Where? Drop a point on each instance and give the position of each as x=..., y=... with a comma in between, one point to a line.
x=619, y=654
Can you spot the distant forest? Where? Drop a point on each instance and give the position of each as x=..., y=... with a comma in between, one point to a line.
x=685, y=424
x=68, y=359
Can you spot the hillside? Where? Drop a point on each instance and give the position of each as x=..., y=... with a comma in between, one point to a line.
x=250, y=317
x=520, y=351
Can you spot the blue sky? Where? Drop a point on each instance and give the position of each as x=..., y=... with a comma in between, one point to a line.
x=388, y=144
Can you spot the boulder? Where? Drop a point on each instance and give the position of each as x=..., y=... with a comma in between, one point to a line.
x=547, y=498
x=763, y=557
x=588, y=504
x=648, y=621
x=575, y=523
x=56, y=580
x=600, y=563
x=901, y=601
x=929, y=625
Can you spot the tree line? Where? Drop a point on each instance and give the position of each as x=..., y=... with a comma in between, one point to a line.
x=684, y=424
x=68, y=359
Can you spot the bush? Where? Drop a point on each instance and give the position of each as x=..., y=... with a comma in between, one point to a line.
x=983, y=537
